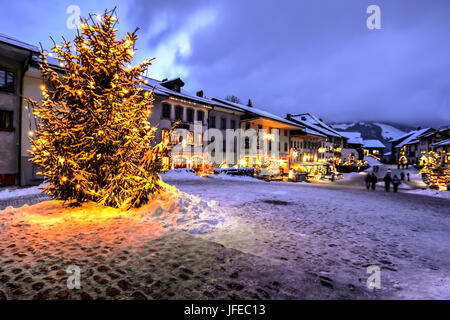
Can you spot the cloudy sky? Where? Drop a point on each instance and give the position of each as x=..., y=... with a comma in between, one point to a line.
x=287, y=56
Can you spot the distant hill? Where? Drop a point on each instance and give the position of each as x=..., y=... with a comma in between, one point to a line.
x=383, y=131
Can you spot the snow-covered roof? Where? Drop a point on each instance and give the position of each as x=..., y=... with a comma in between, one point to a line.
x=353, y=137
x=18, y=43
x=314, y=132
x=403, y=136
x=316, y=124
x=413, y=138
x=373, y=144
x=258, y=112
x=442, y=143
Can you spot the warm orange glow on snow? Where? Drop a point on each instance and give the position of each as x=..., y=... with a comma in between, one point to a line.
x=43, y=227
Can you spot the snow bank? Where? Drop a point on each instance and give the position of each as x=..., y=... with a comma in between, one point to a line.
x=224, y=176
x=91, y=223
x=432, y=193
x=179, y=174
x=19, y=192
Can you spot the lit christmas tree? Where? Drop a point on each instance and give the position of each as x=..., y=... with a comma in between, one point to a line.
x=93, y=139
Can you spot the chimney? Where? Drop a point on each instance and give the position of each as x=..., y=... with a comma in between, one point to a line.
x=289, y=116
x=200, y=93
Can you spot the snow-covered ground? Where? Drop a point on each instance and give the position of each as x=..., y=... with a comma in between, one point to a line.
x=180, y=174
x=219, y=239
x=334, y=234
x=8, y=193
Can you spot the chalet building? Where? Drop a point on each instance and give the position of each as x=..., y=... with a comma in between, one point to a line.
x=437, y=141
x=331, y=147
x=407, y=149
x=374, y=148
x=15, y=60
x=271, y=135
x=353, y=150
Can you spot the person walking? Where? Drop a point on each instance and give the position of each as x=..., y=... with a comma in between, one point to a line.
x=387, y=182
x=408, y=176
x=373, y=181
x=402, y=176
x=396, y=182
x=367, y=180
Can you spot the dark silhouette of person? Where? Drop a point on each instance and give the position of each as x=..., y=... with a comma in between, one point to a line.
x=373, y=181
x=396, y=182
x=408, y=176
x=367, y=180
x=402, y=176
x=387, y=182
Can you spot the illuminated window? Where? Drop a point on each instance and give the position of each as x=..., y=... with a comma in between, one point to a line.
x=190, y=138
x=199, y=141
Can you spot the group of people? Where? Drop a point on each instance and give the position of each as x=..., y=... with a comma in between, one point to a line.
x=371, y=181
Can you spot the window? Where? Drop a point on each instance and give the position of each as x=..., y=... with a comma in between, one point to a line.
x=233, y=124
x=7, y=80
x=223, y=123
x=190, y=138
x=178, y=113
x=212, y=122
x=6, y=120
x=286, y=132
x=247, y=126
x=190, y=115
x=200, y=116
x=199, y=141
x=166, y=110
x=285, y=147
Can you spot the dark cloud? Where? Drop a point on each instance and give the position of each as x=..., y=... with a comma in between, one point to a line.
x=287, y=56
x=317, y=56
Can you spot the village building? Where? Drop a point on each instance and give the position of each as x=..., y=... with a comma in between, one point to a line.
x=15, y=60
x=374, y=148
x=267, y=143
x=437, y=142
x=331, y=147
x=407, y=149
x=353, y=151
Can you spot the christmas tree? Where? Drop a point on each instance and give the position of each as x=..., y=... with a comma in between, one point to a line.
x=93, y=140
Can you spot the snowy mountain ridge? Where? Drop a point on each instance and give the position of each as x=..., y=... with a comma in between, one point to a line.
x=383, y=131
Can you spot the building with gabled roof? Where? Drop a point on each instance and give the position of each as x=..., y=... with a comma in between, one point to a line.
x=15, y=60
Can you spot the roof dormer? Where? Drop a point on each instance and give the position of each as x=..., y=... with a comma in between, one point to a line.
x=173, y=84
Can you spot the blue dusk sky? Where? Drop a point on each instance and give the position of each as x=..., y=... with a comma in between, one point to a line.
x=287, y=56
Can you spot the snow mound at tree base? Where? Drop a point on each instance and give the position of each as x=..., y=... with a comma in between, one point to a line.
x=47, y=224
